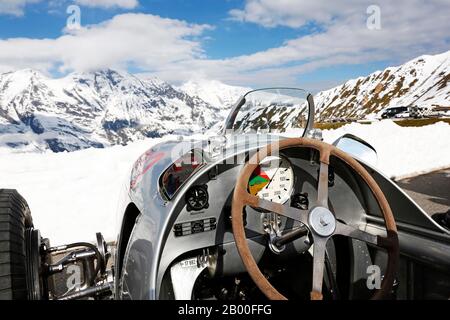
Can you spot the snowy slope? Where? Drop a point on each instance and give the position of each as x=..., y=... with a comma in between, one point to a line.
x=214, y=92
x=105, y=108
x=74, y=195
x=424, y=81
x=402, y=151
x=220, y=95
x=93, y=110
x=261, y=116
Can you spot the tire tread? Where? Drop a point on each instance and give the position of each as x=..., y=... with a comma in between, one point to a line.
x=15, y=217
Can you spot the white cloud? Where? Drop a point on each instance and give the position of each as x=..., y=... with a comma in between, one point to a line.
x=408, y=29
x=107, y=4
x=141, y=40
x=293, y=13
x=172, y=49
x=14, y=7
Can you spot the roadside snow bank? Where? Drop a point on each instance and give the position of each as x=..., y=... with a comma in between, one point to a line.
x=74, y=195
x=402, y=151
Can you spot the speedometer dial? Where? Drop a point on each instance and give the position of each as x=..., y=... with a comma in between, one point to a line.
x=273, y=180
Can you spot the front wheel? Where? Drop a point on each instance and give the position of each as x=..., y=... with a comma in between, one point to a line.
x=19, y=250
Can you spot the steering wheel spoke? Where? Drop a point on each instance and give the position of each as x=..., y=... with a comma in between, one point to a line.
x=322, y=189
x=355, y=233
x=319, y=249
x=283, y=210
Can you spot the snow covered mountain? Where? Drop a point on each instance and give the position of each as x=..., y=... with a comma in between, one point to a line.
x=214, y=92
x=217, y=94
x=93, y=110
x=423, y=82
x=107, y=107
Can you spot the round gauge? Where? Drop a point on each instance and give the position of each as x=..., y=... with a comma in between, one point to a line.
x=273, y=180
x=197, y=198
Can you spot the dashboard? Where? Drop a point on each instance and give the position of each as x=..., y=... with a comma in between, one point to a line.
x=203, y=218
x=201, y=215
x=198, y=195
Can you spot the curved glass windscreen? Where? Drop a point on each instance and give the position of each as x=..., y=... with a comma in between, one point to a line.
x=271, y=110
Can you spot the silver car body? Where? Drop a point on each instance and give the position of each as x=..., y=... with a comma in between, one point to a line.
x=146, y=247
x=147, y=257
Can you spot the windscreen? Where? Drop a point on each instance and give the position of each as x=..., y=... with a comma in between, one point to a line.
x=273, y=110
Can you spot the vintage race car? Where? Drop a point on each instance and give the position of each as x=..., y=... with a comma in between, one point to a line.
x=264, y=210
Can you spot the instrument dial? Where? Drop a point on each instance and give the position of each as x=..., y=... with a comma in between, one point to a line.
x=273, y=180
x=197, y=198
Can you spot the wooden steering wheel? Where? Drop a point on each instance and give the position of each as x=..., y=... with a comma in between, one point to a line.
x=320, y=220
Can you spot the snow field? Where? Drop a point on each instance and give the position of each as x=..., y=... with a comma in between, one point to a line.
x=74, y=195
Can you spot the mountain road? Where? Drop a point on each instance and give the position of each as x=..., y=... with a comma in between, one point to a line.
x=430, y=191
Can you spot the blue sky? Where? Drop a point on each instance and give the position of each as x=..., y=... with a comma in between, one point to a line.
x=227, y=39
x=315, y=45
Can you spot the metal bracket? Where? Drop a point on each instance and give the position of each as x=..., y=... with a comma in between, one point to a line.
x=185, y=273
x=272, y=223
x=97, y=279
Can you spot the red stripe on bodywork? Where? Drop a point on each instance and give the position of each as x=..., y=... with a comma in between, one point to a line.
x=148, y=159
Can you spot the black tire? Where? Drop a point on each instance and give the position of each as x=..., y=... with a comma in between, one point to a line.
x=15, y=220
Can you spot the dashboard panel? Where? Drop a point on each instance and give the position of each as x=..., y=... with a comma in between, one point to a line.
x=210, y=227
x=201, y=213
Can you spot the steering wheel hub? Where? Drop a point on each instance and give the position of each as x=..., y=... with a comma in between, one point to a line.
x=322, y=221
